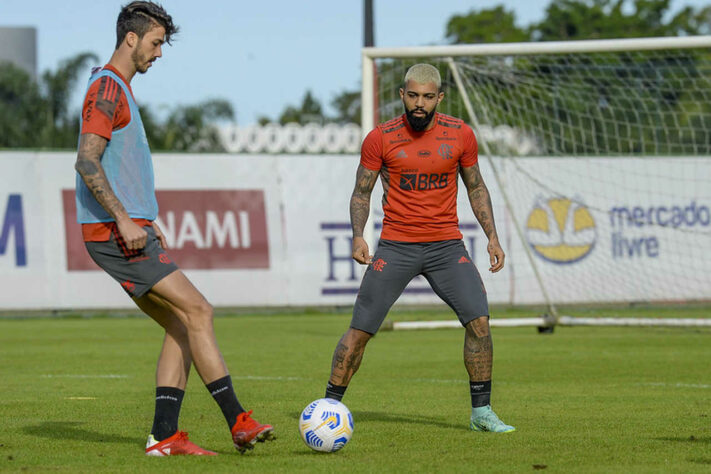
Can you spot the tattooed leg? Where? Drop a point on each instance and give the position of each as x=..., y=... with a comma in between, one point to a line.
x=478, y=349
x=348, y=356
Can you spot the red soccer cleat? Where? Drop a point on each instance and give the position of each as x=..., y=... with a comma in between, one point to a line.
x=247, y=431
x=178, y=444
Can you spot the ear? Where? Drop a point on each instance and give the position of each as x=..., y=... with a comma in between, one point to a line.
x=402, y=93
x=440, y=96
x=131, y=39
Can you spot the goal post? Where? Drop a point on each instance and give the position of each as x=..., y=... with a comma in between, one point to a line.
x=598, y=157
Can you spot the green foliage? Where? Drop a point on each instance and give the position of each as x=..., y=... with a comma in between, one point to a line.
x=347, y=105
x=580, y=19
x=62, y=127
x=582, y=399
x=23, y=110
x=190, y=127
x=596, y=19
x=494, y=25
x=36, y=115
x=308, y=112
x=39, y=115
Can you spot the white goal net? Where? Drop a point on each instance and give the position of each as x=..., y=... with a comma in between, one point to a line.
x=598, y=156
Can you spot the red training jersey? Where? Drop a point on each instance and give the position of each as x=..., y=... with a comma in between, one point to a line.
x=419, y=175
x=105, y=109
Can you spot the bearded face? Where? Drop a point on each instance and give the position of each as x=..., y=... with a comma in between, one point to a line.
x=148, y=49
x=420, y=102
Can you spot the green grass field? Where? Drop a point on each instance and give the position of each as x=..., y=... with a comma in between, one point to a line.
x=77, y=396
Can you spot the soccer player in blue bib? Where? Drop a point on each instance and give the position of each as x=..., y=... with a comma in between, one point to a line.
x=117, y=208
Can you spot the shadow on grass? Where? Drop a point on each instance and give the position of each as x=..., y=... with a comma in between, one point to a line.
x=71, y=430
x=686, y=439
x=366, y=416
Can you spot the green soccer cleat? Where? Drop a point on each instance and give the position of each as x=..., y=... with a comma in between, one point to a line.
x=484, y=419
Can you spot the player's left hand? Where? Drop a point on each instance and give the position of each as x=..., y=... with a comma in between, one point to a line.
x=496, y=255
x=160, y=236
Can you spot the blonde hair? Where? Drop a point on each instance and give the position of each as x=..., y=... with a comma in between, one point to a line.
x=424, y=74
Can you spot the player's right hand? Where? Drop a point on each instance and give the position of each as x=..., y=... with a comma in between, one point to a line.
x=361, y=252
x=133, y=234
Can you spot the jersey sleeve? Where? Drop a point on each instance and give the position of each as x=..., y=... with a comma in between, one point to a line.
x=105, y=108
x=470, y=153
x=371, y=152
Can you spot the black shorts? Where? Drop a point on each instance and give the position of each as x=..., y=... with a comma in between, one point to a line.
x=447, y=267
x=135, y=270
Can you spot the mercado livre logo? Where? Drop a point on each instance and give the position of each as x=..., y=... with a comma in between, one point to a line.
x=561, y=230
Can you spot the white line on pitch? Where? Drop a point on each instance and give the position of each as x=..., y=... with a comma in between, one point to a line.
x=680, y=385
x=84, y=376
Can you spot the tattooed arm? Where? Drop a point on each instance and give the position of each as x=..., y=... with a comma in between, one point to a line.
x=88, y=165
x=480, y=201
x=360, y=208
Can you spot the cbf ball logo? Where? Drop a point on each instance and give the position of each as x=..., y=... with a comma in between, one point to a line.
x=561, y=230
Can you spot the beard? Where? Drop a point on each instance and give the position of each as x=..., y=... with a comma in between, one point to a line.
x=419, y=124
x=139, y=61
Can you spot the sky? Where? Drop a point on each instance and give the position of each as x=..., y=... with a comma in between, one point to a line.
x=261, y=56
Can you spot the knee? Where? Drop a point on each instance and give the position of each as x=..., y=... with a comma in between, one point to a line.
x=479, y=327
x=199, y=315
x=357, y=337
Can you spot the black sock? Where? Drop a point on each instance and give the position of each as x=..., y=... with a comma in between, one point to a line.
x=335, y=391
x=481, y=393
x=223, y=393
x=165, y=420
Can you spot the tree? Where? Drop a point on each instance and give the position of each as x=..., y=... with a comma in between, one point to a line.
x=22, y=108
x=494, y=25
x=62, y=128
x=595, y=19
x=347, y=105
x=309, y=112
x=37, y=114
x=691, y=21
x=155, y=132
x=192, y=127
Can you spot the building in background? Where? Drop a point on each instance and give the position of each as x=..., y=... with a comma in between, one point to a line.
x=18, y=45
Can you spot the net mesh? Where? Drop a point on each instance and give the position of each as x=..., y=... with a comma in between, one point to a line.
x=622, y=103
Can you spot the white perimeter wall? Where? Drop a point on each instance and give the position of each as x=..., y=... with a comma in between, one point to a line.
x=273, y=230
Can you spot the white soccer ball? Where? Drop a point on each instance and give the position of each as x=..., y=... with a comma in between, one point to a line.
x=326, y=425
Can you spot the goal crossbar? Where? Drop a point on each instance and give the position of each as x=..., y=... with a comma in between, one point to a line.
x=542, y=47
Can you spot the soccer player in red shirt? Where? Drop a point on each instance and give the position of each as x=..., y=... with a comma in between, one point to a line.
x=418, y=157
x=116, y=206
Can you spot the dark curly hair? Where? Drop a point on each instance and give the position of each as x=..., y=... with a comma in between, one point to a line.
x=140, y=17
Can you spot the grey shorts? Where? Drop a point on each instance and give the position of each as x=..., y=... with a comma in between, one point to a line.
x=447, y=267
x=135, y=270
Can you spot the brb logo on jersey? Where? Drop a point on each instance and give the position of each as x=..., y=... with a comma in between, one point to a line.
x=423, y=181
x=561, y=230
